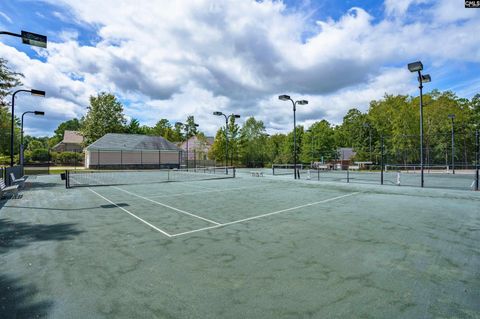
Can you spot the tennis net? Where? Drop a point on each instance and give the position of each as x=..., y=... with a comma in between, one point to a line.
x=127, y=177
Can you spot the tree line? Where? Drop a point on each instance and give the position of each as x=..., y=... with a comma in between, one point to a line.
x=391, y=123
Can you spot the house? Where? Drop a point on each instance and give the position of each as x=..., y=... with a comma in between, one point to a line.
x=198, y=147
x=132, y=151
x=72, y=142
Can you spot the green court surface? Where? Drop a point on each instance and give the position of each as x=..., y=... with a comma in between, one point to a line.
x=248, y=247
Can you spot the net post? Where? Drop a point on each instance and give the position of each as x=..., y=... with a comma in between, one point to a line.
x=381, y=160
x=348, y=175
x=67, y=179
x=234, y=172
x=318, y=174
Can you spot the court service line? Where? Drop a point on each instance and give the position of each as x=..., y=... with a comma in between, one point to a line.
x=132, y=214
x=264, y=215
x=207, y=191
x=168, y=206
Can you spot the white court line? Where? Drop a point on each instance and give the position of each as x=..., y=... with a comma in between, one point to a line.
x=207, y=191
x=133, y=215
x=264, y=215
x=168, y=206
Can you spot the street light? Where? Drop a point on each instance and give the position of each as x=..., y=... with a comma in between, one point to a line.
x=29, y=38
x=452, y=117
x=285, y=97
x=187, y=131
x=38, y=113
x=33, y=92
x=227, y=117
x=418, y=67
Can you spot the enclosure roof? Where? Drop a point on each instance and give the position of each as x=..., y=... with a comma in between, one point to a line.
x=128, y=142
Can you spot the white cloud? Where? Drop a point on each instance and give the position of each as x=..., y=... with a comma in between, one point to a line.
x=170, y=59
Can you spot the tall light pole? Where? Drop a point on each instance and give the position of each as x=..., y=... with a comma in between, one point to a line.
x=285, y=97
x=29, y=38
x=418, y=67
x=38, y=113
x=452, y=117
x=187, y=131
x=227, y=117
x=33, y=92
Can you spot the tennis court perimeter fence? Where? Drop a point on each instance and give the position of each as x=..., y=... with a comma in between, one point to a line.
x=448, y=163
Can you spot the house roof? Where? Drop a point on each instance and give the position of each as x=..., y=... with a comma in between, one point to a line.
x=73, y=137
x=346, y=153
x=194, y=141
x=128, y=142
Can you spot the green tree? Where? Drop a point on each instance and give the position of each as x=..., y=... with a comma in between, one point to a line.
x=105, y=115
x=8, y=80
x=252, y=143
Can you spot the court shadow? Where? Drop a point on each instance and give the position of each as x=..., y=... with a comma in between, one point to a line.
x=20, y=234
x=32, y=185
x=17, y=300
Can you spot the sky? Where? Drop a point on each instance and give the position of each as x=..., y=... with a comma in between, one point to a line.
x=170, y=59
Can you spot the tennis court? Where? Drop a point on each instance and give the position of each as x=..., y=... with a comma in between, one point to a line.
x=243, y=247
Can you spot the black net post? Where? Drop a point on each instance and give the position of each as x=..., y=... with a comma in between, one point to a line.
x=381, y=160
x=348, y=175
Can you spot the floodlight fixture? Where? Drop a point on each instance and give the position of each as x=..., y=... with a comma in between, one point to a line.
x=426, y=78
x=217, y=113
x=302, y=102
x=237, y=116
x=284, y=97
x=30, y=38
x=41, y=113
x=37, y=92
x=415, y=66
x=34, y=39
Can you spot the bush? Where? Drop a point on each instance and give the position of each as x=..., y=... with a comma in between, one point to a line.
x=40, y=155
x=67, y=157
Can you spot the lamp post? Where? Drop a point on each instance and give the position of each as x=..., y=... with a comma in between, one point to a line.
x=227, y=117
x=299, y=102
x=187, y=131
x=33, y=92
x=418, y=67
x=452, y=117
x=29, y=38
x=38, y=113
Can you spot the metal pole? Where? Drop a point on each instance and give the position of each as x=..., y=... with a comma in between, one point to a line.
x=453, y=148
x=370, y=135
x=226, y=141
x=294, y=142
x=421, y=127
x=186, y=130
x=12, y=130
x=21, y=140
x=477, y=149
x=381, y=161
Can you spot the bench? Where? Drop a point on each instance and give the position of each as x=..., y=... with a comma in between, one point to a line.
x=256, y=173
x=8, y=189
x=17, y=181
